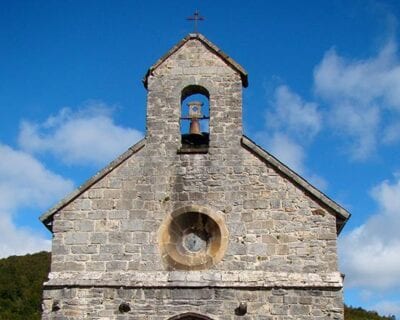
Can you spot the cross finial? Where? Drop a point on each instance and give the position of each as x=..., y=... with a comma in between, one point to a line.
x=196, y=17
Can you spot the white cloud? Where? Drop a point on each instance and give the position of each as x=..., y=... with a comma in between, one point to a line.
x=291, y=114
x=360, y=94
x=391, y=133
x=89, y=136
x=287, y=151
x=291, y=123
x=25, y=183
x=19, y=240
x=361, y=127
x=370, y=254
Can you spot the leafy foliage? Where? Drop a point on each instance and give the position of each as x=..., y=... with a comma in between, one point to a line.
x=21, y=279
x=351, y=313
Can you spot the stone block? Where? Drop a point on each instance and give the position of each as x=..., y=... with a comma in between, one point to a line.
x=116, y=265
x=72, y=238
x=111, y=248
x=84, y=249
x=84, y=225
x=95, y=266
x=74, y=266
x=98, y=238
x=119, y=237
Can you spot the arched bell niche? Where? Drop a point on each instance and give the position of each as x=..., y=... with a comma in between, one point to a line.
x=190, y=316
x=195, y=116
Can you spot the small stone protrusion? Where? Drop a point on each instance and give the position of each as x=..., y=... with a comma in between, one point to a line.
x=319, y=212
x=241, y=310
x=55, y=306
x=124, y=307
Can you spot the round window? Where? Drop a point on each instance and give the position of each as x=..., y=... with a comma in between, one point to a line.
x=193, y=240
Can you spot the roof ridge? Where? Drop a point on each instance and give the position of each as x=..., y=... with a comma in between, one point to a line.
x=237, y=67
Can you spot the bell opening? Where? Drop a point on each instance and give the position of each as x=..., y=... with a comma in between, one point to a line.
x=194, y=121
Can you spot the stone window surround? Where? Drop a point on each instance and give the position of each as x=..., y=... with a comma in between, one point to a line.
x=174, y=260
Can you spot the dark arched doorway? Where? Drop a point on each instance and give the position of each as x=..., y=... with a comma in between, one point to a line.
x=190, y=316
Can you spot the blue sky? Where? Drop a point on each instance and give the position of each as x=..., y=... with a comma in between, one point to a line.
x=323, y=96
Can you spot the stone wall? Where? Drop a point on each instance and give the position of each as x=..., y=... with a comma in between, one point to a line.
x=156, y=304
x=278, y=236
x=272, y=225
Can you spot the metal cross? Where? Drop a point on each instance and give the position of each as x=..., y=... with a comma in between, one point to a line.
x=196, y=17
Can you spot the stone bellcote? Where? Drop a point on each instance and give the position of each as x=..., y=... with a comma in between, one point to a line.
x=164, y=233
x=195, y=68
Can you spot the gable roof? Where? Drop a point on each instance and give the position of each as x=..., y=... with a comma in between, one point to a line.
x=234, y=65
x=47, y=217
x=342, y=215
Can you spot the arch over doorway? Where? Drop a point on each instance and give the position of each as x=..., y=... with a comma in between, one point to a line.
x=190, y=316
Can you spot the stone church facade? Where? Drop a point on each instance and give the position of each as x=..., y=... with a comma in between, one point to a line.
x=199, y=225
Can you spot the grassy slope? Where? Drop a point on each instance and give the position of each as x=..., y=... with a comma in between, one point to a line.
x=21, y=280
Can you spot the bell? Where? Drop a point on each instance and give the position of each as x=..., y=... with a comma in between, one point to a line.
x=195, y=114
x=194, y=126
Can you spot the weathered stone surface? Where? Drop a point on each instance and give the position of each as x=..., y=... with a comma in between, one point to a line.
x=155, y=304
x=260, y=279
x=281, y=241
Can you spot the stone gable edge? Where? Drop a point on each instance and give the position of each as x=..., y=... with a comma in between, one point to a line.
x=234, y=65
x=342, y=215
x=46, y=218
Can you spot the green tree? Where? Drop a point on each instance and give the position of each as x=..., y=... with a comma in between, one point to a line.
x=21, y=279
x=351, y=313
